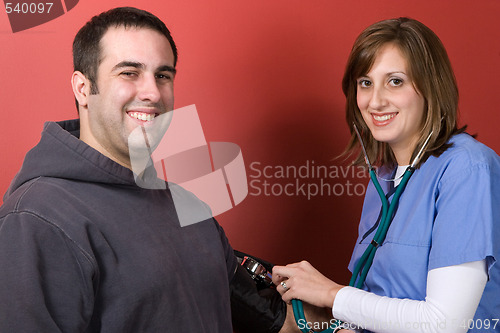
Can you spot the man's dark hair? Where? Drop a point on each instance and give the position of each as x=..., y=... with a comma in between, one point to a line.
x=86, y=46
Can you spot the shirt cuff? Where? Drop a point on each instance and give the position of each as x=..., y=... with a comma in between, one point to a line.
x=340, y=299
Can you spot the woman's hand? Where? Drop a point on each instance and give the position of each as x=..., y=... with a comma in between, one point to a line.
x=302, y=281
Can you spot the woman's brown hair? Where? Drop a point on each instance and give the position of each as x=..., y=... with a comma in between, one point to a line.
x=431, y=73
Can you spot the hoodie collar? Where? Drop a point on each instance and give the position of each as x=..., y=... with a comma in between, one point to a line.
x=61, y=154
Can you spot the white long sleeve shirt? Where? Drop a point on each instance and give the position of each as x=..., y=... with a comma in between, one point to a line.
x=452, y=296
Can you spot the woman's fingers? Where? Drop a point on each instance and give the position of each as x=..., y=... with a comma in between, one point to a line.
x=302, y=281
x=284, y=272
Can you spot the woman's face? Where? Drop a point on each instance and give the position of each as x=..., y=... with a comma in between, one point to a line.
x=389, y=103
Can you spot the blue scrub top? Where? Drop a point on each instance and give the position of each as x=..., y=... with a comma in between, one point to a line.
x=449, y=214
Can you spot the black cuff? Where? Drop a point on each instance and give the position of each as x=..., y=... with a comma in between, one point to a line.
x=255, y=311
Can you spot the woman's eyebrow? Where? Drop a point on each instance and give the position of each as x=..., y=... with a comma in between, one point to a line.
x=396, y=72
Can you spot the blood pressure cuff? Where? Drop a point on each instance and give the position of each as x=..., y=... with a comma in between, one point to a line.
x=253, y=310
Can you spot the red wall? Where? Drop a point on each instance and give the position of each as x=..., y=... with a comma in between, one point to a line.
x=264, y=74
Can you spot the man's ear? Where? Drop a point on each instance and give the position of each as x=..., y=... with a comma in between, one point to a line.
x=81, y=88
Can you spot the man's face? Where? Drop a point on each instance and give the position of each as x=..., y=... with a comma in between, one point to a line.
x=135, y=80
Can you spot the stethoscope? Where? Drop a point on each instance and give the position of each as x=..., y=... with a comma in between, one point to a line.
x=364, y=263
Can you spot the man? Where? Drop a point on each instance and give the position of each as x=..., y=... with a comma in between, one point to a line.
x=83, y=248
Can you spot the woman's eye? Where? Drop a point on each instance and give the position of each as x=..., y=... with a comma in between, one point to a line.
x=364, y=83
x=396, y=82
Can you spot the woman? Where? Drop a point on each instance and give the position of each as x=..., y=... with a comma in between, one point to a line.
x=436, y=268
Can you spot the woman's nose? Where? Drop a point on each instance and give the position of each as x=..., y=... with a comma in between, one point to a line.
x=378, y=98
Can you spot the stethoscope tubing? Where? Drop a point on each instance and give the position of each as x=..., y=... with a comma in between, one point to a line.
x=366, y=260
x=300, y=319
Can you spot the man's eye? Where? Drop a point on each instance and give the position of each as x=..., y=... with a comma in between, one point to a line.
x=163, y=77
x=128, y=74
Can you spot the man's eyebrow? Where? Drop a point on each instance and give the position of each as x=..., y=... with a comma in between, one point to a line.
x=126, y=63
x=167, y=68
x=139, y=65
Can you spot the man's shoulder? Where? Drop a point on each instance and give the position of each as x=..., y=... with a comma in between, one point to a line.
x=42, y=197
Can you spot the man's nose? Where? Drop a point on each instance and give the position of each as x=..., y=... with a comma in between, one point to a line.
x=148, y=89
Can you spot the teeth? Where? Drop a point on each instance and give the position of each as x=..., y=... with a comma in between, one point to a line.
x=142, y=116
x=384, y=117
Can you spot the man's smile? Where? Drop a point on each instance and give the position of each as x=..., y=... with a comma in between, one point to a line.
x=143, y=116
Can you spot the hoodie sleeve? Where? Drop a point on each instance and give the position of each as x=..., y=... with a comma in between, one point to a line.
x=45, y=279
